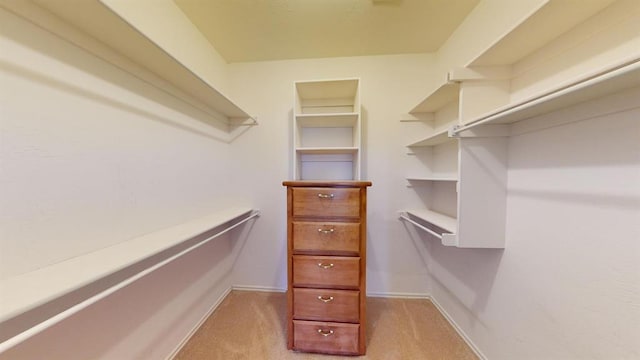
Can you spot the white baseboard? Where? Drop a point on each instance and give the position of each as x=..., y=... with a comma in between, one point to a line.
x=213, y=308
x=197, y=326
x=446, y=315
x=258, y=288
x=458, y=329
x=399, y=295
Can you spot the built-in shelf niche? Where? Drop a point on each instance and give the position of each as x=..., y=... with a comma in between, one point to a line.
x=327, y=130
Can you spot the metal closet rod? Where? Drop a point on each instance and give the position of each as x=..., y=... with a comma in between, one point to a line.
x=404, y=217
x=19, y=338
x=595, y=79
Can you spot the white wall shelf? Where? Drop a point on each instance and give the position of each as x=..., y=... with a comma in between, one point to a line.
x=437, y=99
x=620, y=78
x=439, y=225
x=327, y=130
x=436, y=157
x=437, y=138
x=556, y=58
x=431, y=178
x=328, y=119
x=327, y=150
x=94, y=27
x=536, y=31
x=68, y=284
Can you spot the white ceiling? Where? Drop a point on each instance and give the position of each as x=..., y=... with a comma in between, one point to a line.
x=259, y=30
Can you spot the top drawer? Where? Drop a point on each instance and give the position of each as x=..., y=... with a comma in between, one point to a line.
x=326, y=202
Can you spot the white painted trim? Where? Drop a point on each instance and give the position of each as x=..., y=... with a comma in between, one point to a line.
x=258, y=288
x=424, y=296
x=134, y=248
x=399, y=295
x=213, y=308
x=391, y=295
x=200, y=322
x=458, y=329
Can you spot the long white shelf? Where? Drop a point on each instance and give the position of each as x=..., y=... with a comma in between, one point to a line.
x=437, y=138
x=327, y=120
x=545, y=24
x=432, y=178
x=447, y=226
x=445, y=222
x=326, y=150
x=591, y=86
x=91, y=25
x=93, y=271
x=328, y=88
x=437, y=99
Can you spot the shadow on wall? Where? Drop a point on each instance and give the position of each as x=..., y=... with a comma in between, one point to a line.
x=20, y=32
x=623, y=202
x=122, y=316
x=587, y=144
x=467, y=274
x=109, y=323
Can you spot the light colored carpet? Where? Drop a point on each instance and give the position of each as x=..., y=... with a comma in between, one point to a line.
x=252, y=325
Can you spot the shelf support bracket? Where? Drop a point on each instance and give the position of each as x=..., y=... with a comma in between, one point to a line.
x=499, y=130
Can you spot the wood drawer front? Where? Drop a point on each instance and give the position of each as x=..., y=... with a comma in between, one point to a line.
x=326, y=305
x=326, y=237
x=326, y=271
x=326, y=202
x=325, y=337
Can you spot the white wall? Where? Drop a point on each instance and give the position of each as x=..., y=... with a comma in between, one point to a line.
x=91, y=157
x=390, y=87
x=567, y=285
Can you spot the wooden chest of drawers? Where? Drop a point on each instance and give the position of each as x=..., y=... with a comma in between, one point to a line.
x=326, y=232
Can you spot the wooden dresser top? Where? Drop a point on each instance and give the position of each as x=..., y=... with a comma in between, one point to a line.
x=326, y=183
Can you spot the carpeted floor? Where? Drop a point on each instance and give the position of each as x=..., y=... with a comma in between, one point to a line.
x=251, y=325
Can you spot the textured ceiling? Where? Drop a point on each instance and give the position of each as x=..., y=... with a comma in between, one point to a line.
x=259, y=30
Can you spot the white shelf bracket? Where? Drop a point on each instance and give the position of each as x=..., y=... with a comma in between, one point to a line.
x=453, y=132
x=501, y=130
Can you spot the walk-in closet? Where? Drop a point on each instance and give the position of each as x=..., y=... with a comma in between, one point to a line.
x=288, y=179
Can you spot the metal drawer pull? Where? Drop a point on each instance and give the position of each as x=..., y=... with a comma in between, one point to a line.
x=325, y=196
x=325, y=299
x=325, y=332
x=326, y=231
x=325, y=266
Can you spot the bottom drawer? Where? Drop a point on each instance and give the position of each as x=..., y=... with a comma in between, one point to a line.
x=325, y=337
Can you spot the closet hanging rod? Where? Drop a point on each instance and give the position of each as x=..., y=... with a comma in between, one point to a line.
x=404, y=217
x=627, y=68
x=126, y=66
x=34, y=330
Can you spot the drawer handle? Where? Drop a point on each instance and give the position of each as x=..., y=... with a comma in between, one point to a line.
x=325, y=299
x=325, y=196
x=325, y=332
x=326, y=231
x=325, y=266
